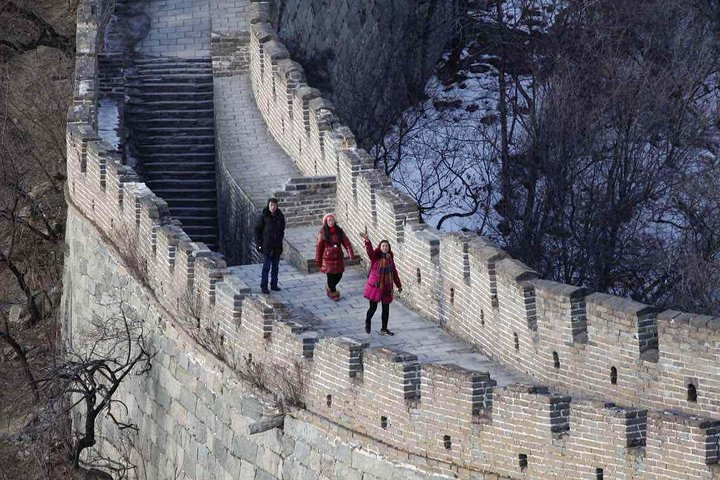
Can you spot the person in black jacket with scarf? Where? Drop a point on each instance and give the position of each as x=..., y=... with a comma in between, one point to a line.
x=269, y=235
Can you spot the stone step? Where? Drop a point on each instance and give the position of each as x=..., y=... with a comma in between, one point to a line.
x=145, y=149
x=206, y=173
x=187, y=78
x=177, y=139
x=185, y=131
x=180, y=183
x=193, y=212
x=204, y=222
x=115, y=62
x=174, y=123
x=172, y=193
x=142, y=116
x=137, y=105
x=141, y=88
x=193, y=203
x=176, y=96
x=179, y=169
x=162, y=60
x=196, y=230
x=193, y=157
x=174, y=70
x=171, y=63
x=170, y=114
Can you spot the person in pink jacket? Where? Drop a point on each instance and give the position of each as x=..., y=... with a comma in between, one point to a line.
x=379, y=287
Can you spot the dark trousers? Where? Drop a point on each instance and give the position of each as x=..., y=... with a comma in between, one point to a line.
x=270, y=265
x=333, y=279
x=385, y=314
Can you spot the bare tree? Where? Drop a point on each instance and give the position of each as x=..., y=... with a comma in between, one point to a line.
x=127, y=242
x=623, y=122
x=32, y=163
x=445, y=161
x=97, y=362
x=20, y=352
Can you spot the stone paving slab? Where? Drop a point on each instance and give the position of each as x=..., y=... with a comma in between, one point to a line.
x=249, y=152
x=178, y=28
x=346, y=318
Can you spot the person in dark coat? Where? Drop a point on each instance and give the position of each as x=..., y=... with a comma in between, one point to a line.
x=269, y=235
x=329, y=254
x=379, y=286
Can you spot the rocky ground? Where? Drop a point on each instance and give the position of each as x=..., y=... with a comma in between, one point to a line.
x=36, y=65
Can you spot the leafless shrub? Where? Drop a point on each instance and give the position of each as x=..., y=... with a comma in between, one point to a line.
x=212, y=340
x=289, y=383
x=255, y=373
x=127, y=242
x=191, y=308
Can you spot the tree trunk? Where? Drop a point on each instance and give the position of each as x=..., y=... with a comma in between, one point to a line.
x=5, y=335
x=505, y=171
x=89, y=439
x=35, y=315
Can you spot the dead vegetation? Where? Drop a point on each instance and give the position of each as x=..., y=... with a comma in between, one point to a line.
x=36, y=68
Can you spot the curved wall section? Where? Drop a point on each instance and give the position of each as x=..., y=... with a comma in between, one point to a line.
x=371, y=402
x=561, y=335
x=587, y=344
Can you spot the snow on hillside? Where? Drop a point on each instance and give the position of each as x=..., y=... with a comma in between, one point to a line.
x=449, y=145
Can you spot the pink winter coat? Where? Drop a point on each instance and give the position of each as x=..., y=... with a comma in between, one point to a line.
x=373, y=290
x=328, y=253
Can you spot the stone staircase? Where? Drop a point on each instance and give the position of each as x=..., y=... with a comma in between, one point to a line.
x=169, y=117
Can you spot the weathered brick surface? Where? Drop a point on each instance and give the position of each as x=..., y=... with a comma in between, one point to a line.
x=441, y=419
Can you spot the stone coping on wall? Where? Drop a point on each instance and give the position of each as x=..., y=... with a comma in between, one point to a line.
x=438, y=412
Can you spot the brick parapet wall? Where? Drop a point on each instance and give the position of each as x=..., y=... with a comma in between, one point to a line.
x=496, y=303
x=443, y=414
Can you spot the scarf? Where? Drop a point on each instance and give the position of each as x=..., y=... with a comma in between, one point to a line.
x=386, y=272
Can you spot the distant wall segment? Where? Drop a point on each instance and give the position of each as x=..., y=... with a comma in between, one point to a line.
x=370, y=57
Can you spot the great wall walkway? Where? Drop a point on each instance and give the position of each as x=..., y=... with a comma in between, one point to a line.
x=346, y=318
x=258, y=165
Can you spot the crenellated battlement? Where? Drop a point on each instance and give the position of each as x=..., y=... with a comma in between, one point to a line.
x=478, y=291
x=587, y=344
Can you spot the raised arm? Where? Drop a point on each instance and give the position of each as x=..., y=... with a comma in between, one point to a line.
x=368, y=246
x=370, y=250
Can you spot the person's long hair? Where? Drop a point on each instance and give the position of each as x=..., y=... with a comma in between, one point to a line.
x=338, y=231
